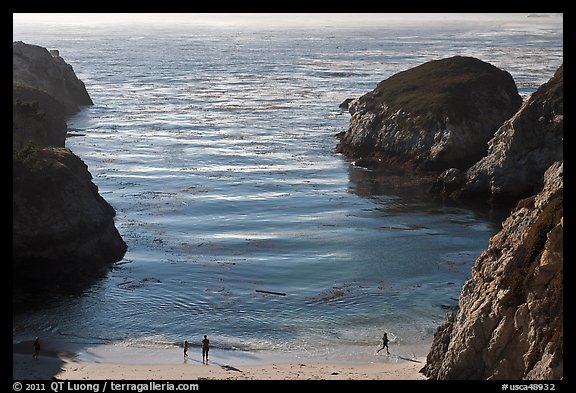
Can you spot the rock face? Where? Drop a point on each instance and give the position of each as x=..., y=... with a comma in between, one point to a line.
x=35, y=67
x=521, y=150
x=45, y=90
x=37, y=118
x=434, y=116
x=509, y=320
x=63, y=232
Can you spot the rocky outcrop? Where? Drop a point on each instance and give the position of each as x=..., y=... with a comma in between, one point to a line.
x=344, y=104
x=521, y=150
x=63, y=232
x=434, y=116
x=509, y=319
x=37, y=118
x=45, y=90
x=35, y=67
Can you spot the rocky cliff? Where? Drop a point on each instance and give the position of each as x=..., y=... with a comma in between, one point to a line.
x=521, y=150
x=63, y=232
x=35, y=67
x=435, y=116
x=37, y=118
x=509, y=319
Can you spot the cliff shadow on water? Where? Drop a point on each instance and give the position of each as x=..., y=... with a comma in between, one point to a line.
x=31, y=294
x=413, y=191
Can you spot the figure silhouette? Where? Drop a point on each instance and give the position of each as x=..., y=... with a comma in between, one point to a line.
x=384, y=344
x=36, y=348
x=205, y=349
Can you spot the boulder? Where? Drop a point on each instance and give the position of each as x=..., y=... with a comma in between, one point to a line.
x=435, y=116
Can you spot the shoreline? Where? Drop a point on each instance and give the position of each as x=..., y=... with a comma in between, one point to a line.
x=223, y=365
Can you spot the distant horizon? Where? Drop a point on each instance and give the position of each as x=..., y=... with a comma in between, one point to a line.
x=276, y=19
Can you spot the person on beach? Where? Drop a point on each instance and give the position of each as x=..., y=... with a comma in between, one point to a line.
x=384, y=343
x=186, y=349
x=205, y=349
x=36, y=348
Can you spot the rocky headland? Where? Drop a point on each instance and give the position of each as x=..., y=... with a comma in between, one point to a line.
x=63, y=232
x=433, y=117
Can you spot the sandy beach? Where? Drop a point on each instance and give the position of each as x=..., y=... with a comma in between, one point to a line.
x=24, y=367
x=67, y=366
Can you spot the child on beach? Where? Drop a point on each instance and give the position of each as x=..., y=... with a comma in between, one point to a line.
x=186, y=349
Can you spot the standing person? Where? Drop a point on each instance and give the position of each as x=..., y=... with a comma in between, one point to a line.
x=205, y=349
x=384, y=343
x=36, y=348
x=186, y=349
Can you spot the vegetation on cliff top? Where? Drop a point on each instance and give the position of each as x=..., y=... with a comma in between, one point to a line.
x=442, y=87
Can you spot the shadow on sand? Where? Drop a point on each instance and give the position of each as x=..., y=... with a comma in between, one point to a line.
x=46, y=367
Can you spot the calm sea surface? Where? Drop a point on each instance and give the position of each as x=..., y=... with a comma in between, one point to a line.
x=216, y=148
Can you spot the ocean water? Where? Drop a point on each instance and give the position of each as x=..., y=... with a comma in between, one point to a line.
x=215, y=145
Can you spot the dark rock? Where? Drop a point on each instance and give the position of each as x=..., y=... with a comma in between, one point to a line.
x=37, y=118
x=344, y=105
x=33, y=66
x=448, y=181
x=62, y=230
x=434, y=116
x=339, y=134
x=367, y=162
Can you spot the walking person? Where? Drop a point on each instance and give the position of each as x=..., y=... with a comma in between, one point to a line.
x=186, y=345
x=36, y=348
x=205, y=349
x=384, y=343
